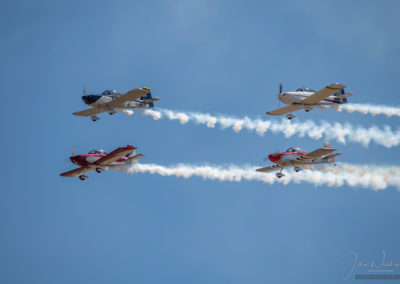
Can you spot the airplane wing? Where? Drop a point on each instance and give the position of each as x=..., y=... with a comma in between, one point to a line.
x=323, y=94
x=285, y=109
x=75, y=172
x=90, y=111
x=321, y=152
x=114, y=156
x=269, y=169
x=129, y=96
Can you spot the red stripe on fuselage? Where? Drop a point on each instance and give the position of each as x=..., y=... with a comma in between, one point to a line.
x=275, y=157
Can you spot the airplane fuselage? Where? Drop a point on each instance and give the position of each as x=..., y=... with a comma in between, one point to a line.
x=290, y=98
x=286, y=159
x=88, y=160
x=102, y=101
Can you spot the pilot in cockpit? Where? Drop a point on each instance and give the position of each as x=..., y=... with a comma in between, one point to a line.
x=292, y=149
x=98, y=152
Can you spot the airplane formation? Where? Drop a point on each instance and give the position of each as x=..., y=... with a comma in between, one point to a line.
x=112, y=101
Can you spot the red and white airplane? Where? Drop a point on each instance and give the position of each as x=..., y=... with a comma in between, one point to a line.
x=300, y=159
x=99, y=160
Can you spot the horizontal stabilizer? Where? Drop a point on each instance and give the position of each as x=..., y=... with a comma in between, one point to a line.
x=345, y=96
x=336, y=154
x=136, y=157
x=147, y=101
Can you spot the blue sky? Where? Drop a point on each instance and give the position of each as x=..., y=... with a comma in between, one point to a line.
x=220, y=57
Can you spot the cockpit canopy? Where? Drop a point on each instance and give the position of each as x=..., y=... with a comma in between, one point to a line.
x=292, y=149
x=110, y=93
x=305, y=89
x=98, y=152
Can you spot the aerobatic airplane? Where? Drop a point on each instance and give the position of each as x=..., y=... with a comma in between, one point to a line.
x=99, y=160
x=111, y=101
x=305, y=98
x=300, y=159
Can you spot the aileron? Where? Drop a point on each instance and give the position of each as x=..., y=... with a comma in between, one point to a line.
x=285, y=109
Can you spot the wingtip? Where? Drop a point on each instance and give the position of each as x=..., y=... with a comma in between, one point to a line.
x=337, y=86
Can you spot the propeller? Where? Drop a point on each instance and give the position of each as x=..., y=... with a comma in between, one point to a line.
x=84, y=90
x=73, y=150
x=280, y=92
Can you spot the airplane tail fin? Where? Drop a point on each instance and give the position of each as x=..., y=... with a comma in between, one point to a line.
x=341, y=96
x=331, y=157
x=148, y=98
x=134, y=159
x=130, y=155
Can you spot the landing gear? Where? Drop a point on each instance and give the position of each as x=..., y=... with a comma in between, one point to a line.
x=279, y=175
x=297, y=169
x=99, y=170
x=94, y=118
x=290, y=116
x=307, y=110
x=82, y=177
x=111, y=112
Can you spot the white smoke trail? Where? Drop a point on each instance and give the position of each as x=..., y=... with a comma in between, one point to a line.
x=128, y=112
x=373, y=177
x=370, y=109
x=326, y=130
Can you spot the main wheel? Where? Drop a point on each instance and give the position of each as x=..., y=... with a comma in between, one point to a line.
x=99, y=170
x=82, y=177
x=290, y=116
